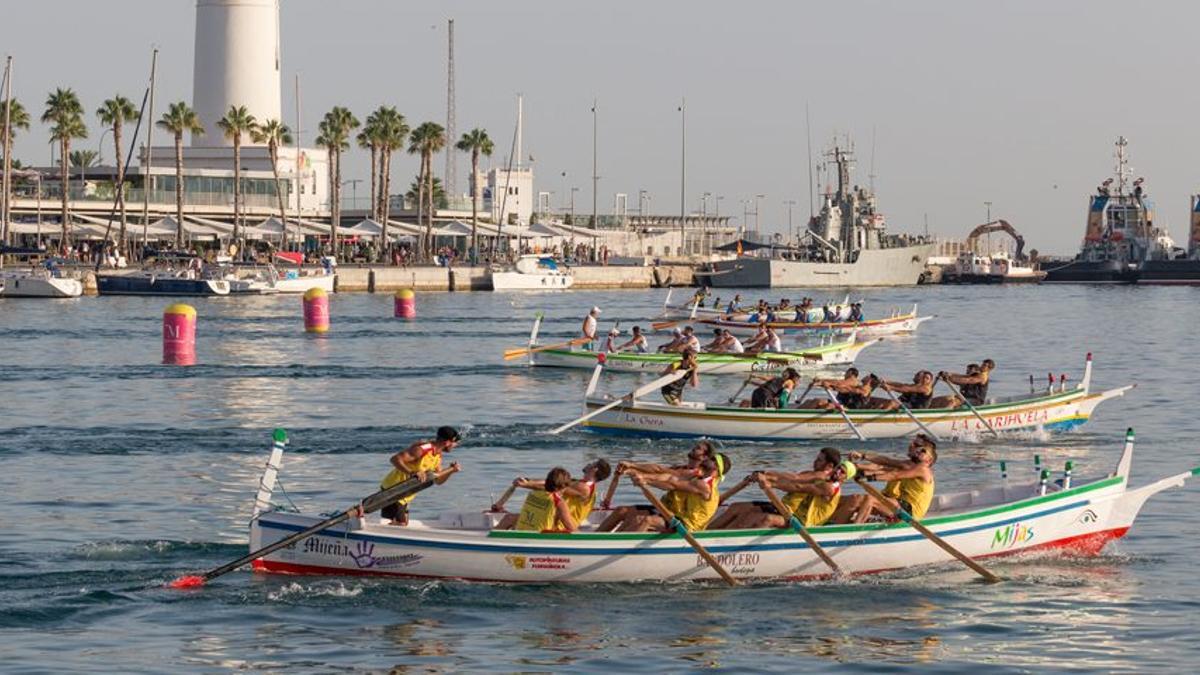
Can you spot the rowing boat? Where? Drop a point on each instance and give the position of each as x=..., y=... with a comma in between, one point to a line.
x=688, y=310
x=1050, y=409
x=995, y=520
x=891, y=325
x=819, y=357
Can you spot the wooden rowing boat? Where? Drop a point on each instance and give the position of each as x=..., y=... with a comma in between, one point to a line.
x=684, y=311
x=1049, y=409
x=996, y=520
x=891, y=325
x=821, y=357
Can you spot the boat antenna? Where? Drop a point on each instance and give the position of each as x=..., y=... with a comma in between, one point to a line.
x=871, y=174
x=508, y=174
x=808, y=134
x=128, y=158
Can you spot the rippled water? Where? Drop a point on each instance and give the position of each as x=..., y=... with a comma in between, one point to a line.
x=118, y=474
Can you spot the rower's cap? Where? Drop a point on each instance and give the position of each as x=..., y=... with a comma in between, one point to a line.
x=448, y=434
x=595, y=310
x=615, y=331
x=850, y=469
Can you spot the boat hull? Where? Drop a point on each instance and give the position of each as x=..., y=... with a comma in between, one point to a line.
x=1169, y=272
x=116, y=284
x=302, y=284
x=1056, y=411
x=1079, y=520
x=716, y=364
x=517, y=281
x=23, y=286
x=1081, y=272
x=904, y=323
x=874, y=267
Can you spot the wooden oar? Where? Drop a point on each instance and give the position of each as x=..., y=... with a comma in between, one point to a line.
x=797, y=525
x=907, y=517
x=631, y=396
x=958, y=393
x=741, y=388
x=606, y=505
x=368, y=505
x=910, y=414
x=498, y=507
x=742, y=485
x=515, y=353
x=679, y=527
x=842, y=409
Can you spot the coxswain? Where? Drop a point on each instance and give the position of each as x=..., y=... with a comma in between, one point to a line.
x=773, y=392
x=636, y=343
x=419, y=460
x=717, y=303
x=673, y=392
x=915, y=396
x=545, y=509
x=589, y=328
x=910, y=483
x=973, y=385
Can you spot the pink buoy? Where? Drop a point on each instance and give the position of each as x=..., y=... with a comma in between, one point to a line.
x=316, y=311
x=406, y=304
x=179, y=335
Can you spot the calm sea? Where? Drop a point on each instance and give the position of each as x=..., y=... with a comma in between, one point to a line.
x=118, y=474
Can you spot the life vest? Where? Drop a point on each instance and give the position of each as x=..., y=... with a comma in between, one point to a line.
x=693, y=510
x=916, y=492
x=539, y=512
x=813, y=510
x=581, y=507
x=428, y=460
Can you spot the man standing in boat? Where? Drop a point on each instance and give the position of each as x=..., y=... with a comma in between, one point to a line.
x=420, y=460
x=589, y=328
x=910, y=483
x=673, y=392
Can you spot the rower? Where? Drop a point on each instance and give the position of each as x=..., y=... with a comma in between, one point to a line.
x=717, y=344
x=637, y=343
x=717, y=303
x=545, y=509
x=673, y=392
x=828, y=315
x=690, y=341
x=811, y=496
x=847, y=390
x=693, y=500
x=910, y=482
x=730, y=344
x=733, y=304
x=701, y=451
x=676, y=343
x=760, y=339
x=580, y=495
x=915, y=396
x=418, y=460
x=973, y=385
x=856, y=313
x=610, y=342
x=589, y=328
x=773, y=392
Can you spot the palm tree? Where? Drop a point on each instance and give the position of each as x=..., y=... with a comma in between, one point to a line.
x=476, y=142
x=83, y=159
x=65, y=112
x=18, y=118
x=438, y=192
x=236, y=122
x=116, y=112
x=393, y=129
x=180, y=119
x=368, y=139
x=426, y=140
x=335, y=130
x=275, y=133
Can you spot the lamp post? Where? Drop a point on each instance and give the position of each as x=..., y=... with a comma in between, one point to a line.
x=100, y=146
x=790, y=203
x=757, y=230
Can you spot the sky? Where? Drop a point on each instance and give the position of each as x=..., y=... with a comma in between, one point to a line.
x=1014, y=103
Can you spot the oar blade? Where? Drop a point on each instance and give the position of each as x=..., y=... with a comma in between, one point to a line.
x=186, y=582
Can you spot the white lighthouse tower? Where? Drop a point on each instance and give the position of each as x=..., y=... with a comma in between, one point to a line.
x=236, y=63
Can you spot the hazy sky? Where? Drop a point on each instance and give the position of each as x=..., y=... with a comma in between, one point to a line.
x=1017, y=103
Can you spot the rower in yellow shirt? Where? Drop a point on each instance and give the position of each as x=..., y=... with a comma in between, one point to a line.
x=812, y=496
x=546, y=509
x=910, y=483
x=420, y=460
x=580, y=495
x=692, y=499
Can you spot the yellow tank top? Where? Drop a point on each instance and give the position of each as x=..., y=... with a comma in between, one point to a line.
x=813, y=510
x=915, y=491
x=429, y=460
x=581, y=507
x=538, y=513
x=693, y=510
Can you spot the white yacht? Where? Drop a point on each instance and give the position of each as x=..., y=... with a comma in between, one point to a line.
x=533, y=272
x=38, y=283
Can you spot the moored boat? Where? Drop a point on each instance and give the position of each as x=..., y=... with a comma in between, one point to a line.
x=1049, y=409
x=996, y=520
x=38, y=284
x=160, y=283
x=894, y=324
x=533, y=272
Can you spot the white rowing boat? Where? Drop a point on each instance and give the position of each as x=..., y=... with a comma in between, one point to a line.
x=896, y=323
x=996, y=520
x=690, y=310
x=1051, y=410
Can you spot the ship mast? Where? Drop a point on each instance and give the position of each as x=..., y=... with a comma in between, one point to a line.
x=1123, y=170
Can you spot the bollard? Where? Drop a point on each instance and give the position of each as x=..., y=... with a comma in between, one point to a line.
x=405, y=304
x=1037, y=464
x=316, y=311
x=1003, y=471
x=1066, y=480
x=1042, y=483
x=179, y=335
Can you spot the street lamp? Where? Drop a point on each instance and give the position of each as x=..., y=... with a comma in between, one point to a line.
x=100, y=146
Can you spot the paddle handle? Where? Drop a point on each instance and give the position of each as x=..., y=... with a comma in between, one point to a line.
x=499, y=505
x=906, y=517
x=726, y=495
x=612, y=490
x=797, y=525
x=691, y=540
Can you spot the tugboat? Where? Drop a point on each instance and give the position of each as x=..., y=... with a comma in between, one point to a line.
x=1120, y=234
x=1180, y=267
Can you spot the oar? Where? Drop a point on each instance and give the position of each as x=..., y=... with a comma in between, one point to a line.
x=741, y=388
x=659, y=325
x=516, y=353
x=842, y=409
x=499, y=505
x=797, y=525
x=631, y=396
x=958, y=393
x=907, y=517
x=372, y=503
x=910, y=414
x=679, y=527
x=742, y=485
x=612, y=490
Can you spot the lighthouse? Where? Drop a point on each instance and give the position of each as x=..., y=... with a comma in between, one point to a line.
x=237, y=63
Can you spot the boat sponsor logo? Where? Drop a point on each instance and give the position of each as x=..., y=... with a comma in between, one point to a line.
x=1016, y=419
x=364, y=557
x=1011, y=535
x=1087, y=517
x=538, y=562
x=736, y=563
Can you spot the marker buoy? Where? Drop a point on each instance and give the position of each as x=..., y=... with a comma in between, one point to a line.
x=316, y=311
x=179, y=335
x=406, y=304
